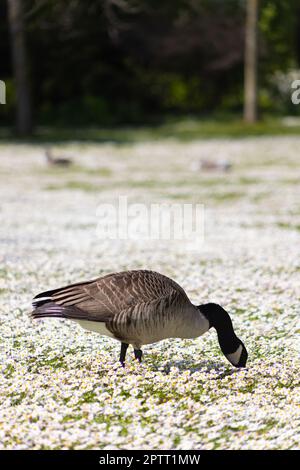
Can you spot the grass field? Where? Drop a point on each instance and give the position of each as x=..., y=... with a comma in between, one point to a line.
x=184, y=129
x=62, y=387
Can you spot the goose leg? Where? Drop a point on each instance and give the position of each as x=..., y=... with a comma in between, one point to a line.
x=124, y=347
x=138, y=353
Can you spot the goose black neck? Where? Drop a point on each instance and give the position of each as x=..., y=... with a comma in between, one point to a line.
x=220, y=320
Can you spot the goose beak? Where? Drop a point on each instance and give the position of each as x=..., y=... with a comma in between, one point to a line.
x=239, y=357
x=243, y=358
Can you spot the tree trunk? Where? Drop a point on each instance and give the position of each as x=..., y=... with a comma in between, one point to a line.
x=298, y=36
x=250, y=77
x=20, y=67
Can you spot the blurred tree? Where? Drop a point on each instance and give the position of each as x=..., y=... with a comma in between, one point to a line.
x=20, y=67
x=297, y=33
x=250, y=92
x=186, y=53
x=106, y=62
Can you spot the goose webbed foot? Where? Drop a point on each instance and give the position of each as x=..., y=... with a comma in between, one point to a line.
x=124, y=347
x=138, y=354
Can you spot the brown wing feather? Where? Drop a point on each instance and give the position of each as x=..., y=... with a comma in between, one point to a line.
x=107, y=296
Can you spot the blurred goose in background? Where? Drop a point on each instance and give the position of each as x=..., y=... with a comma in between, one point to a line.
x=139, y=307
x=206, y=164
x=56, y=161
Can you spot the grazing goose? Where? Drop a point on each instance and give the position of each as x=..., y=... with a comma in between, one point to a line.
x=139, y=307
x=205, y=164
x=54, y=161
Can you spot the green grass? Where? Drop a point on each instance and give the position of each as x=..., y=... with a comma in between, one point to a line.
x=229, y=196
x=76, y=169
x=285, y=225
x=3, y=290
x=198, y=182
x=74, y=185
x=182, y=129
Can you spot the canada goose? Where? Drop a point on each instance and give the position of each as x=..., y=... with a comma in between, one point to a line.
x=139, y=307
x=212, y=165
x=61, y=161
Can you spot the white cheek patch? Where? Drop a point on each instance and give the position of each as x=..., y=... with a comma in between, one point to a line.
x=235, y=357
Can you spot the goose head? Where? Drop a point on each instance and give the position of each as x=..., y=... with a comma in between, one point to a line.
x=231, y=346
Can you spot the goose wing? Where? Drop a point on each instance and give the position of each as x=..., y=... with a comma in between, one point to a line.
x=103, y=298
